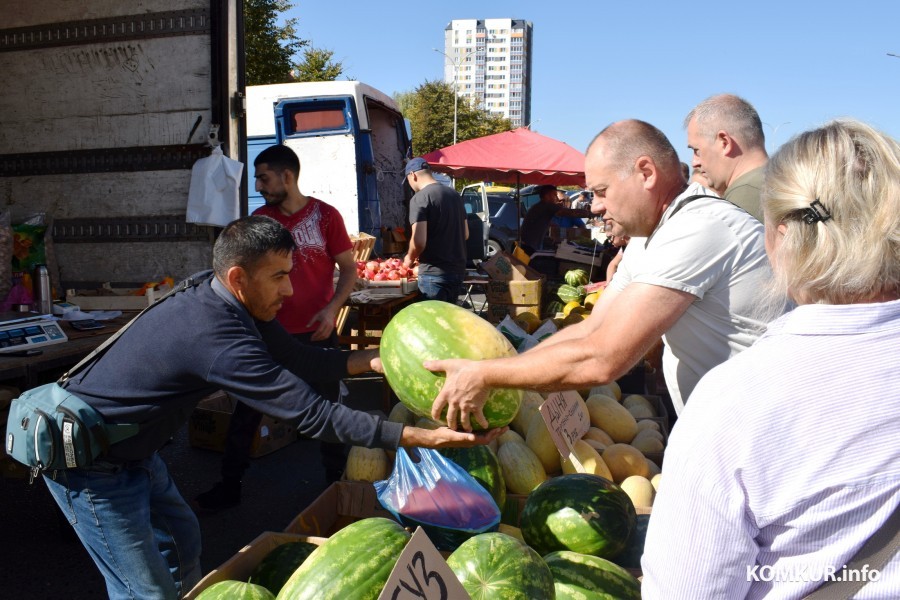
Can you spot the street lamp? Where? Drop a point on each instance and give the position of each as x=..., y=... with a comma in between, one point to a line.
x=456, y=64
x=775, y=130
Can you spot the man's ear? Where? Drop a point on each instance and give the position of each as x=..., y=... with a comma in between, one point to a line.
x=646, y=168
x=238, y=282
x=726, y=143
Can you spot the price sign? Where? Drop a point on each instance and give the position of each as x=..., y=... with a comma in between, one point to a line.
x=567, y=419
x=421, y=573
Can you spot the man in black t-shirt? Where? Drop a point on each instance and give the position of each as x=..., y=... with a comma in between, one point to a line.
x=439, y=234
x=537, y=219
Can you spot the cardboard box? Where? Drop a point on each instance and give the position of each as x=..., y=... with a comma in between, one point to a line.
x=344, y=502
x=241, y=566
x=504, y=267
x=393, y=241
x=517, y=291
x=496, y=312
x=208, y=427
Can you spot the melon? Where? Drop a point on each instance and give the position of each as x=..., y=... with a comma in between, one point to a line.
x=495, y=565
x=579, y=576
x=522, y=469
x=541, y=443
x=434, y=330
x=639, y=489
x=367, y=464
x=590, y=459
x=278, y=565
x=595, y=433
x=624, y=461
x=610, y=389
x=580, y=512
x=235, y=590
x=612, y=417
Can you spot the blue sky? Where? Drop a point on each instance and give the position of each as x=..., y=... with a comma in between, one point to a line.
x=800, y=63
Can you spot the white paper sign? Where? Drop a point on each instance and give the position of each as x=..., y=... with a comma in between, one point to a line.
x=564, y=414
x=421, y=573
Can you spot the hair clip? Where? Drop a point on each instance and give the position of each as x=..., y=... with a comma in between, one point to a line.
x=815, y=213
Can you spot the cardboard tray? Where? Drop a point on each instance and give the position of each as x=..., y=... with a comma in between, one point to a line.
x=208, y=427
x=110, y=298
x=241, y=565
x=342, y=503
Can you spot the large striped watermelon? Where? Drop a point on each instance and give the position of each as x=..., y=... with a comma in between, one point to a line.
x=585, y=577
x=279, y=564
x=433, y=330
x=481, y=463
x=354, y=563
x=495, y=565
x=579, y=512
x=235, y=590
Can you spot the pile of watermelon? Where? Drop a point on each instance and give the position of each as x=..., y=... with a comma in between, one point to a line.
x=572, y=531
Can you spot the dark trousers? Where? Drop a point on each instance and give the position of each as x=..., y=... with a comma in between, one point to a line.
x=245, y=421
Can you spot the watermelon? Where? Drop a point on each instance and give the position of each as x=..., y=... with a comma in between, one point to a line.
x=495, y=565
x=630, y=557
x=579, y=512
x=585, y=577
x=279, y=564
x=553, y=307
x=481, y=463
x=435, y=330
x=568, y=293
x=576, y=277
x=235, y=590
x=354, y=563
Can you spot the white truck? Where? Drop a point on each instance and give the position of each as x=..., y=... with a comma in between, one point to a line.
x=105, y=107
x=352, y=142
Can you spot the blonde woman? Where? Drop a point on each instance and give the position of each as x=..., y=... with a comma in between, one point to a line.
x=786, y=460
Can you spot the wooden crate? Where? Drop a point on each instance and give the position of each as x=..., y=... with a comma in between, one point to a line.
x=362, y=249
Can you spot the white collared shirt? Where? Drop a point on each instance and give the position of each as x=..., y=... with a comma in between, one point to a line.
x=784, y=462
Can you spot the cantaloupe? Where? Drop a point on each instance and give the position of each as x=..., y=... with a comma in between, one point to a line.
x=624, y=461
x=639, y=489
x=590, y=459
x=612, y=417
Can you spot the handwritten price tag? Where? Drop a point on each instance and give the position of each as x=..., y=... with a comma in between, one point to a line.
x=421, y=573
x=567, y=419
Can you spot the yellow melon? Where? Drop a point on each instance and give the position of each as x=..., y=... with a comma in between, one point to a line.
x=611, y=389
x=599, y=435
x=590, y=459
x=538, y=439
x=653, y=468
x=647, y=424
x=656, y=480
x=522, y=469
x=570, y=306
x=531, y=402
x=401, y=414
x=639, y=407
x=624, y=461
x=639, y=489
x=367, y=464
x=648, y=445
x=612, y=417
x=510, y=436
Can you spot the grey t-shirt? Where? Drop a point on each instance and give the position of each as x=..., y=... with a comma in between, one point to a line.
x=441, y=208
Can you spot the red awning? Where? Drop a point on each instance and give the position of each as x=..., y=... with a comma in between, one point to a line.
x=518, y=156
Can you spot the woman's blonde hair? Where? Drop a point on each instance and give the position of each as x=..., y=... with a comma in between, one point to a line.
x=853, y=255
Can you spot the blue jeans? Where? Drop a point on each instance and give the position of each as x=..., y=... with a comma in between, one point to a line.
x=441, y=287
x=132, y=520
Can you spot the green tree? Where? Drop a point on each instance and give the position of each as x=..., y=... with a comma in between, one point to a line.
x=430, y=111
x=270, y=48
x=317, y=65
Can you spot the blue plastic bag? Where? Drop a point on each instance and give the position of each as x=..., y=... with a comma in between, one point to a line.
x=439, y=495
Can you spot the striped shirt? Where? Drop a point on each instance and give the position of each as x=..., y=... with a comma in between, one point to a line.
x=785, y=461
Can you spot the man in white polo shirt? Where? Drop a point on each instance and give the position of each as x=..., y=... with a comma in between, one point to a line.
x=692, y=273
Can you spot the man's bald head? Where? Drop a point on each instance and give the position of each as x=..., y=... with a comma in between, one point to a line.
x=623, y=142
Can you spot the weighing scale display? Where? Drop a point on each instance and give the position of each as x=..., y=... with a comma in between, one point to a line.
x=32, y=333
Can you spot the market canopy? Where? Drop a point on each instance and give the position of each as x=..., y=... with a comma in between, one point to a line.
x=517, y=156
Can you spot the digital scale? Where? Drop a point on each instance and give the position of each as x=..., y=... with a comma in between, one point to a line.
x=20, y=332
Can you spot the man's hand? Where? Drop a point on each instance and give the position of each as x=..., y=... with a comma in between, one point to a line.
x=325, y=318
x=408, y=262
x=464, y=392
x=375, y=363
x=444, y=437
x=361, y=361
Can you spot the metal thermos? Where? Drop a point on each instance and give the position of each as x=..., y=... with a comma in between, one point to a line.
x=43, y=302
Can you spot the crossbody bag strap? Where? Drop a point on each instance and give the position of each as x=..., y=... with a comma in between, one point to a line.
x=183, y=285
x=681, y=205
x=873, y=555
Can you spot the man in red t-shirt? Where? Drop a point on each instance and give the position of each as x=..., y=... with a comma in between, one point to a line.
x=309, y=315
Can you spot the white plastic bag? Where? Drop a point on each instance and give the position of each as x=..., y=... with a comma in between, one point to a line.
x=215, y=190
